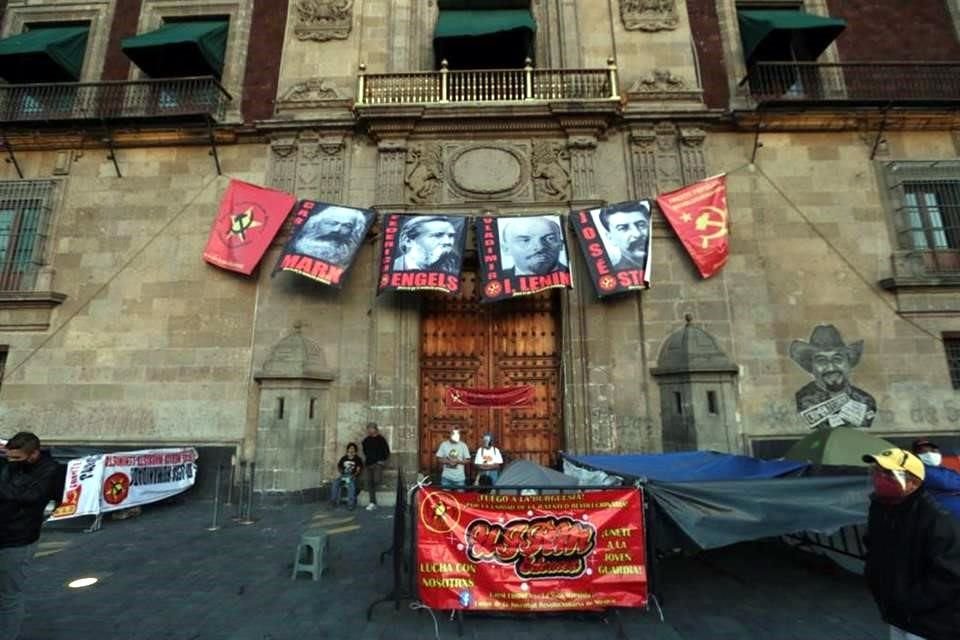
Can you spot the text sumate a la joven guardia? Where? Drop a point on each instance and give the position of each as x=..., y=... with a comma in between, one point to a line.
x=583, y=550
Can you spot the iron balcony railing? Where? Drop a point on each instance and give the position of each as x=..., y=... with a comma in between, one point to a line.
x=488, y=85
x=71, y=101
x=855, y=82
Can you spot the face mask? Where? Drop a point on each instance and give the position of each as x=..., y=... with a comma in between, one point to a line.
x=890, y=485
x=932, y=458
x=455, y=437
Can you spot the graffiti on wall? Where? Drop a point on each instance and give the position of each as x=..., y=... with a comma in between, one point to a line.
x=831, y=400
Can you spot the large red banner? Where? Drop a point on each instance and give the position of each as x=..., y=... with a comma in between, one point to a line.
x=583, y=550
x=249, y=218
x=699, y=215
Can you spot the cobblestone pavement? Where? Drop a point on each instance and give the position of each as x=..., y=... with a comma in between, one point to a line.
x=164, y=576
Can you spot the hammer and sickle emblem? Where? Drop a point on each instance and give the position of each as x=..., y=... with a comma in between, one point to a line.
x=711, y=218
x=241, y=222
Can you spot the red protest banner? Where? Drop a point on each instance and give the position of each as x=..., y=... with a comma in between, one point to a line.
x=577, y=551
x=461, y=398
x=699, y=215
x=249, y=218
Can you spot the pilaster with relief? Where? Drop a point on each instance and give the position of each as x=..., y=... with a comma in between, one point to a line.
x=583, y=168
x=391, y=162
x=665, y=158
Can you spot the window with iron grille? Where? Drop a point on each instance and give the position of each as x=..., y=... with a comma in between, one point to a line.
x=25, y=207
x=951, y=345
x=925, y=200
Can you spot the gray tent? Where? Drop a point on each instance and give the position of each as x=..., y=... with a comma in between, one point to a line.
x=523, y=473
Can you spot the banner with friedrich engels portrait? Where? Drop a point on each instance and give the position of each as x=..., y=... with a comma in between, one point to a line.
x=584, y=550
x=325, y=241
x=521, y=255
x=422, y=252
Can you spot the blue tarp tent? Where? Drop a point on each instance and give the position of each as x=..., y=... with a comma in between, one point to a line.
x=714, y=499
x=688, y=466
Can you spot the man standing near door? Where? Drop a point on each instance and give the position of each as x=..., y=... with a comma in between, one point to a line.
x=375, y=454
x=453, y=455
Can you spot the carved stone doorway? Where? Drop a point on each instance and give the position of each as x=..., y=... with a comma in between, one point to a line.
x=467, y=344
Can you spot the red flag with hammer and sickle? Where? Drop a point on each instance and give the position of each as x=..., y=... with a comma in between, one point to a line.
x=698, y=213
x=249, y=218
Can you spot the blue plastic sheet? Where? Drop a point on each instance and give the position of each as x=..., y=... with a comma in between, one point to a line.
x=688, y=466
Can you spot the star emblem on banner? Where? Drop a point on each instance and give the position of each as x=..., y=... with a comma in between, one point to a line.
x=686, y=217
x=607, y=282
x=493, y=289
x=711, y=218
x=239, y=227
x=440, y=512
x=384, y=280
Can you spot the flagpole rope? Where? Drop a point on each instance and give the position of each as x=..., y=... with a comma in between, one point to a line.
x=866, y=281
x=136, y=254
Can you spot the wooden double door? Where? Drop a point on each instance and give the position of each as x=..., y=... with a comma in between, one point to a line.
x=481, y=346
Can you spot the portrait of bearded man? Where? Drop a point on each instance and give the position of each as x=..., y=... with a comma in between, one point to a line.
x=331, y=235
x=430, y=243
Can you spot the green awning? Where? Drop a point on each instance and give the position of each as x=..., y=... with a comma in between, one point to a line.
x=775, y=35
x=53, y=54
x=446, y=5
x=180, y=49
x=458, y=24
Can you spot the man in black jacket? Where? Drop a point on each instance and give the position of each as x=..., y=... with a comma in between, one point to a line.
x=28, y=482
x=913, y=552
x=375, y=454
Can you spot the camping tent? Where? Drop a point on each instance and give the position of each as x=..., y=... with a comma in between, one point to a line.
x=706, y=499
x=524, y=473
x=842, y=446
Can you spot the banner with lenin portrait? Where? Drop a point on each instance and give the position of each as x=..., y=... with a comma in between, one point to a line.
x=422, y=252
x=521, y=255
x=616, y=245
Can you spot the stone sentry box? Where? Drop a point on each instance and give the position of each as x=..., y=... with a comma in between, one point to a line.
x=697, y=393
x=291, y=448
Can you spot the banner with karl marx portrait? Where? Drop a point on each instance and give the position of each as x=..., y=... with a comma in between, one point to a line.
x=616, y=246
x=325, y=240
x=584, y=550
x=521, y=255
x=422, y=252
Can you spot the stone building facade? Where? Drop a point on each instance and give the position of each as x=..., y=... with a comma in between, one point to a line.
x=844, y=194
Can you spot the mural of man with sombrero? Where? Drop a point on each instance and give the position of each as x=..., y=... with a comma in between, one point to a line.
x=831, y=400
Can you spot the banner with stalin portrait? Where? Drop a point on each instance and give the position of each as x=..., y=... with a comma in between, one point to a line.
x=521, y=255
x=616, y=246
x=584, y=550
x=325, y=240
x=422, y=252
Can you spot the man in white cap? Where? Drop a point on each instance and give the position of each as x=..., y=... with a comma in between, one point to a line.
x=913, y=552
x=453, y=455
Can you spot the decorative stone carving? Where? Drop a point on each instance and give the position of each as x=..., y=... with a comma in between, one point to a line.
x=669, y=176
x=659, y=81
x=550, y=171
x=692, y=159
x=313, y=90
x=424, y=172
x=665, y=158
x=323, y=20
x=649, y=15
x=283, y=163
x=488, y=171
